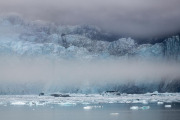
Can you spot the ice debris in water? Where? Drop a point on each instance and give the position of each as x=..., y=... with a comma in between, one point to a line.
x=34, y=100
x=142, y=108
x=114, y=114
x=167, y=106
x=160, y=103
x=88, y=107
x=134, y=108
x=144, y=102
x=145, y=107
x=18, y=103
x=91, y=107
x=67, y=104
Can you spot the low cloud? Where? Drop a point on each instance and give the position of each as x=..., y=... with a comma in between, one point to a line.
x=138, y=18
x=64, y=73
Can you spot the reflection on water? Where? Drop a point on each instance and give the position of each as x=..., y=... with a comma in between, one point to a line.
x=92, y=112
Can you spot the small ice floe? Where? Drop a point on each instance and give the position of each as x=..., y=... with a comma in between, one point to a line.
x=91, y=107
x=144, y=102
x=160, y=103
x=114, y=114
x=31, y=103
x=145, y=107
x=67, y=104
x=134, y=108
x=97, y=106
x=111, y=102
x=88, y=107
x=18, y=103
x=128, y=101
x=85, y=103
x=167, y=106
x=1, y=103
x=153, y=101
x=37, y=103
x=155, y=93
x=136, y=101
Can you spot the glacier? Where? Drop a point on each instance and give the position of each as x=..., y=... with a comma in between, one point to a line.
x=23, y=38
x=34, y=38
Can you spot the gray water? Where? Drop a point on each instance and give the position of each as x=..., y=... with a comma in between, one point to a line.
x=106, y=112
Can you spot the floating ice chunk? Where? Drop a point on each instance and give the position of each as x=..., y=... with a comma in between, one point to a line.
x=1, y=103
x=153, y=101
x=135, y=101
x=88, y=107
x=18, y=103
x=127, y=101
x=114, y=114
x=91, y=107
x=67, y=104
x=110, y=102
x=31, y=103
x=134, y=108
x=85, y=103
x=97, y=106
x=155, y=92
x=167, y=106
x=145, y=107
x=144, y=102
x=39, y=103
x=160, y=103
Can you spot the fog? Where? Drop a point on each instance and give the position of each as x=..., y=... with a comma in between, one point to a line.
x=72, y=72
x=137, y=18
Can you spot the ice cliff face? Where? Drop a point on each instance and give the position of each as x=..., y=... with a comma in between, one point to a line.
x=172, y=48
x=39, y=38
x=36, y=38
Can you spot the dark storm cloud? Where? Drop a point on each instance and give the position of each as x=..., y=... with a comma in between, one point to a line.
x=139, y=18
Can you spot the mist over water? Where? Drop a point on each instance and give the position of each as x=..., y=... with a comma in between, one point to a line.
x=73, y=73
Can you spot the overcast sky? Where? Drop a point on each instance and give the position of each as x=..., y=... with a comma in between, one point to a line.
x=140, y=18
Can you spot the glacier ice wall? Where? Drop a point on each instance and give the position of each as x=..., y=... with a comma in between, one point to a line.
x=31, y=39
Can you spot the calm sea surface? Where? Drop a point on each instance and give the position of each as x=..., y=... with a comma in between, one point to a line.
x=90, y=112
